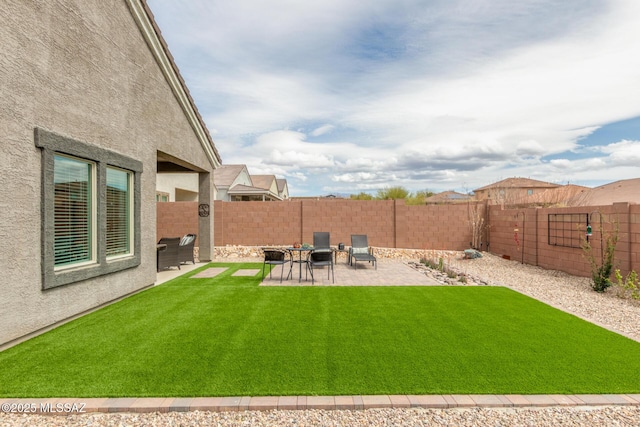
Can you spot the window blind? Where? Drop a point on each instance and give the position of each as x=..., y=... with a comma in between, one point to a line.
x=118, y=212
x=72, y=211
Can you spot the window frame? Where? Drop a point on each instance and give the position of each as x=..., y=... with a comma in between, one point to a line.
x=129, y=212
x=52, y=144
x=92, y=216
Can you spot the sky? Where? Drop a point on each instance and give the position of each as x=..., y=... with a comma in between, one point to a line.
x=349, y=96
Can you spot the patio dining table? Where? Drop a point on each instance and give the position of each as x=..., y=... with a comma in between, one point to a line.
x=300, y=261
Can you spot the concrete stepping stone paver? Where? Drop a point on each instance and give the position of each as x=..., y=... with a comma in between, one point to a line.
x=209, y=273
x=245, y=272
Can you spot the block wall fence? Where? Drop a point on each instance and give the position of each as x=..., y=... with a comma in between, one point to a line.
x=533, y=245
x=176, y=219
x=392, y=224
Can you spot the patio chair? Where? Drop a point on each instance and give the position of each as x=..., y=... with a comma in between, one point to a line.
x=274, y=256
x=321, y=240
x=185, y=250
x=361, y=251
x=321, y=258
x=168, y=257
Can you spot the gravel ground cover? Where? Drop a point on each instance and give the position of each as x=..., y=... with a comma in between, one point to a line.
x=475, y=417
x=569, y=293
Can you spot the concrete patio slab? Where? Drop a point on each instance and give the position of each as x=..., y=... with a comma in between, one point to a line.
x=388, y=273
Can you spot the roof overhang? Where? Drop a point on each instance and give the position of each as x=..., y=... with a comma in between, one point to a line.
x=151, y=33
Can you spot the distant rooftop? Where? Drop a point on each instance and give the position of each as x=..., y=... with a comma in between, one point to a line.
x=627, y=190
x=518, y=183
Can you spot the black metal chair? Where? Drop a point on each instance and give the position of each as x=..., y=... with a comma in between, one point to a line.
x=321, y=240
x=168, y=257
x=273, y=256
x=361, y=251
x=185, y=250
x=321, y=258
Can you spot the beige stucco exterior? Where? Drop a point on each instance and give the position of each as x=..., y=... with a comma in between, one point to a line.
x=181, y=187
x=85, y=70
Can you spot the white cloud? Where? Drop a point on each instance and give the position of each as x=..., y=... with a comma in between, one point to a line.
x=623, y=153
x=427, y=94
x=322, y=130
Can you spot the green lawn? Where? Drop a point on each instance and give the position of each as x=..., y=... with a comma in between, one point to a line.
x=227, y=336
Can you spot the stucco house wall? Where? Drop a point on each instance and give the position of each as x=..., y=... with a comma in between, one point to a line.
x=81, y=70
x=181, y=187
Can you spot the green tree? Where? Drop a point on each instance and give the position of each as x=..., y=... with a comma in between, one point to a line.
x=361, y=196
x=424, y=193
x=393, y=193
x=419, y=197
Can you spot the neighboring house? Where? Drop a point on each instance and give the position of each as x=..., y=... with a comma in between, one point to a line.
x=627, y=190
x=269, y=186
x=234, y=184
x=231, y=178
x=511, y=189
x=283, y=188
x=92, y=106
x=447, y=197
x=553, y=197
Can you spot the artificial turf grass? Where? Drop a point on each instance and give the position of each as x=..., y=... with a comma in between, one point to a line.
x=226, y=336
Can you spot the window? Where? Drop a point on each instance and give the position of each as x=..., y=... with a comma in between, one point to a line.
x=529, y=192
x=162, y=197
x=118, y=212
x=90, y=212
x=73, y=182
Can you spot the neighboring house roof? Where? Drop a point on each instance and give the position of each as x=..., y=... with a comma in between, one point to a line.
x=233, y=178
x=225, y=175
x=447, y=197
x=149, y=28
x=282, y=184
x=627, y=190
x=558, y=196
x=240, y=189
x=268, y=183
x=263, y=181
x=518, y=183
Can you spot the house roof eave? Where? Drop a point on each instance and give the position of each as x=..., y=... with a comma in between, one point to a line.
x=151, y=32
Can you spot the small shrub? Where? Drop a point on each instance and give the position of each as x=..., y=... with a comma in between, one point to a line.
x=629, y=285
x=429, y=263
x=601, y=273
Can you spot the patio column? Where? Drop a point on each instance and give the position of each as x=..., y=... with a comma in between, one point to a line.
x=205, y=216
